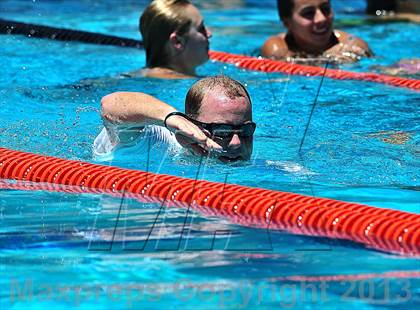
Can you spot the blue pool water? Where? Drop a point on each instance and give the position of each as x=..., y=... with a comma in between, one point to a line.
x=64, y=250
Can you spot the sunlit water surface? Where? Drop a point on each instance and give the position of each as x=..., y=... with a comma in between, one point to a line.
x=94, y=251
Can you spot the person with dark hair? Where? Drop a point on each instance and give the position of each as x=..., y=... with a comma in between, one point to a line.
x=175, y=39
x=217, y=121
x=310, y=34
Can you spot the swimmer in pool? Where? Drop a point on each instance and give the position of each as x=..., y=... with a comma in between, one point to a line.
x=397, y=10
x=310, y=35
x=217, y=121
x=405, y=67
x=175, y=39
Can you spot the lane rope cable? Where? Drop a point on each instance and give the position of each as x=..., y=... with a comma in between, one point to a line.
x=62, y=34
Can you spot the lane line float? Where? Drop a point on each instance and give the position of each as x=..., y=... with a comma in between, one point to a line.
x=377, y=228
x=269, y=65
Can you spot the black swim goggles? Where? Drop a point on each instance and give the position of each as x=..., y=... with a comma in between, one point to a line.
x=221, y=130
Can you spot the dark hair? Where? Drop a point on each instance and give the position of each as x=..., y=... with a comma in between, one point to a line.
x=380, y=5
x=285, y=8
x=230, y=87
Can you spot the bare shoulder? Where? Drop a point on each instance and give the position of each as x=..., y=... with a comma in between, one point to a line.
x=163, y=73
x=353, y=41
x=275, y=47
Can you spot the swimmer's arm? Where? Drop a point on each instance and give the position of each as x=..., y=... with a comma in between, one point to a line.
x=134, y=109
x=130, y=109
x=275, y=47
x=126, y=113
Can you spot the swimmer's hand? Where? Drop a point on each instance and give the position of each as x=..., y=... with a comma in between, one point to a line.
x=190, y=136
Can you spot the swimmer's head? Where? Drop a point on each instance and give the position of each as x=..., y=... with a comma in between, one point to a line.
x=285, y=8
x=225, y=84
x=174, y=28
x=223, y=104
x=308, y=22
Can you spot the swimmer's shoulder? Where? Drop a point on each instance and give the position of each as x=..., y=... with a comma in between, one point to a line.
x=162, y=73
x=350, y=40
x=275, y=47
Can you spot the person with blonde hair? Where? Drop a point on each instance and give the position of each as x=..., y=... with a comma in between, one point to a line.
x=175, y=39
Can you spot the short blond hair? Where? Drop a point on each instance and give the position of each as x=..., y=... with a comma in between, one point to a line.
x=158, y=21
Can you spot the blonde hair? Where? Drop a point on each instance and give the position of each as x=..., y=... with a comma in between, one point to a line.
x=158, y=21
